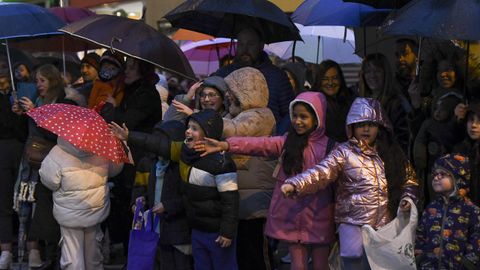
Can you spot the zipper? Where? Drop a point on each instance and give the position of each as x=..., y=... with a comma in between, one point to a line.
x=378, y=193
x=441, y=233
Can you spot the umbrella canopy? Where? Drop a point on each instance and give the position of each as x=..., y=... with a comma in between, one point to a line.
x=60, y=42
x=82, y=127
x=381, y=3
x=133, y=38
x=204, y=55
x=27, y=20
x=220, y=18
x=319, y=43
x=336, y=12
x=71, y=14
x=442, y=19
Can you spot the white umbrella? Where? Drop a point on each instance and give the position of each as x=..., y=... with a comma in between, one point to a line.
x=320, y=42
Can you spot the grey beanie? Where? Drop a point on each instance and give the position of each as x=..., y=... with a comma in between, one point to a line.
x=218, y=83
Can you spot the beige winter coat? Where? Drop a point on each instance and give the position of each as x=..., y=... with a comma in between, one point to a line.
x=255, y=180
x=79, y=184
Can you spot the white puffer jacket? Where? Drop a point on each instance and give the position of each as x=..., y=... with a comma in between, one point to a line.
x=79, y=183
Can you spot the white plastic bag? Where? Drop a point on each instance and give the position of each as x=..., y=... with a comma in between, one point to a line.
x=392, y=246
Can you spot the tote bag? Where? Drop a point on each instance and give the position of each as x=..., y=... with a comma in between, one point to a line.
x=392, y=246
x=142, y=246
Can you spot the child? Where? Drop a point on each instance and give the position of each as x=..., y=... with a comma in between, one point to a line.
x=448, y=235
x=81, y=201
x=308, y=222
x=209, y=188
x=372, y=176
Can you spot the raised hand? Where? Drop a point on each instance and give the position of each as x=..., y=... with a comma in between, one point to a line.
x=193, y=89
x=121, y=132
x=209, y=146
x=182, y=107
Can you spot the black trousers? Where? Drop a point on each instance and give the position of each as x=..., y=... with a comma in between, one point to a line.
x=252, y=245
x=170, y=258
x=10, y=155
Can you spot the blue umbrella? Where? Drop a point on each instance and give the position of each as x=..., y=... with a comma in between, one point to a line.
x=337, y=12
x=381, y=3
x=442, y=19
x=21, y=20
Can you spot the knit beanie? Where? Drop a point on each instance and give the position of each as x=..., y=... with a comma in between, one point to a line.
x=113, y=58
x=92, y=59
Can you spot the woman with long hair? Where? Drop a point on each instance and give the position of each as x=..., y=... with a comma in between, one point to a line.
x=376, y=81
x=331, y=82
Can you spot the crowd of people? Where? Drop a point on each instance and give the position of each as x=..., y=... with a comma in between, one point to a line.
x=254, y=154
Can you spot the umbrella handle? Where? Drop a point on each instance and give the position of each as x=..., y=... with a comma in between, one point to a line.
x=112, y=50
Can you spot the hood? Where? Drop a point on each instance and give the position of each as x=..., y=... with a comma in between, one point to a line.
x=318, y=102
x=366, y=110
x=210, y=121
x=249, y=87
x=458, y=166
x=299, y=71
x=71, y=149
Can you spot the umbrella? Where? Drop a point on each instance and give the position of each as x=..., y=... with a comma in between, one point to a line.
x=82, y=127
x=204, y=55
x=337, y=12
x=133, y=38
x=319, y=43
x=184, y=34
x=71, y=14
x=442, y=19
x=220, y=18
x=381, y=3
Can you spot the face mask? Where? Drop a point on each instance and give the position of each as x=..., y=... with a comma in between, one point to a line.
x=108, y=73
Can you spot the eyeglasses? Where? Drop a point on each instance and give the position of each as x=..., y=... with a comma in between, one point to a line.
x=440, y=174
x=209, y=95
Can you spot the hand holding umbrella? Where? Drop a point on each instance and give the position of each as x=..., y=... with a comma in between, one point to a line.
x=121, y=132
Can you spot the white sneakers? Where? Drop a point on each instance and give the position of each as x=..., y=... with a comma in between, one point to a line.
x=34, y=259
x=6, y=260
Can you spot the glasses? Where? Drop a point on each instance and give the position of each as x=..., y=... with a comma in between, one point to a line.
x=440, y=174
x=209, y=95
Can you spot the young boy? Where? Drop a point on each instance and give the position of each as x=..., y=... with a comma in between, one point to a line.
x=209, y=188
x=448, y=235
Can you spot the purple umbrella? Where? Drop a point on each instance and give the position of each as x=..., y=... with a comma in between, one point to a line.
x=71, y=14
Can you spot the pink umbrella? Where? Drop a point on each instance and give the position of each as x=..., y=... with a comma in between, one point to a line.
x=204, y=55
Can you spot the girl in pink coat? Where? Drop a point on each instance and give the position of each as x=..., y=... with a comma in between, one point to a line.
x=308, y=221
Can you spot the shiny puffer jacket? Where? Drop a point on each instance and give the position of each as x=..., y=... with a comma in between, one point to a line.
x=362, y=189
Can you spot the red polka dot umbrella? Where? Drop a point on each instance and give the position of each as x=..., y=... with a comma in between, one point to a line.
x=82, y=127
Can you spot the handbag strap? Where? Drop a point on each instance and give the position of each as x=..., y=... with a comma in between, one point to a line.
x=152, y=221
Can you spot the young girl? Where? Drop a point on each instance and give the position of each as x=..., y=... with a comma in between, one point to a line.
x=209, y=186
x=372, y=176
x=308, y=222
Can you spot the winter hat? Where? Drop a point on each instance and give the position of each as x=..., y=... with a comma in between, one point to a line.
x=366, y=110
x=218, y=83
x=92, y=59
x=458, y=166
x=210, y=121
x=114, y=58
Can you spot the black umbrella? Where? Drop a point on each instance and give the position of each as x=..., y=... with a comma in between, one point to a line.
x=222, y=18
x=392, y=4
x=133, y=38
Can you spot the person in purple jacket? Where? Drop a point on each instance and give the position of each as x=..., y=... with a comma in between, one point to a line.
x=307, y=222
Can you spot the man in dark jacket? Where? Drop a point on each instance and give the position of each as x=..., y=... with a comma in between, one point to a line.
x=250, y=53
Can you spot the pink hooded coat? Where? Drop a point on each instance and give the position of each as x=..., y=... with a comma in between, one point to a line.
x=309, y=219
